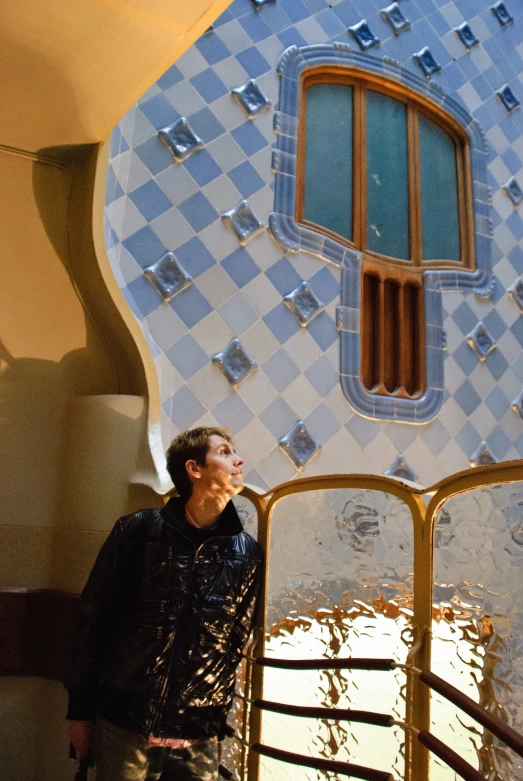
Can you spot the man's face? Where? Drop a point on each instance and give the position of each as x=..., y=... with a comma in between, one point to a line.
x=222, y=473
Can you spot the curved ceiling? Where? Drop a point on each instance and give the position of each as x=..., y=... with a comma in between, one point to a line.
x=72, y=68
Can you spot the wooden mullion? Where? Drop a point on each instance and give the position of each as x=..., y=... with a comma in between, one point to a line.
x=379, y=325
x=403, y=339
x=465, y=208
x=414, y=180
x=359, y=163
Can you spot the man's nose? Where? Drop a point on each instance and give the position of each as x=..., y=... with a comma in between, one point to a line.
x=237, y=460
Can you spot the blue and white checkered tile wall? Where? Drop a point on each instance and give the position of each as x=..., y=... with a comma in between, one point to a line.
x=155, y=205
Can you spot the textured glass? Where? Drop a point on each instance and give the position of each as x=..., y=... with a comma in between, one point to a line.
x=328, y=158
x=478, y=623
x=339, y=584
x=439, y=193
x=387, y=178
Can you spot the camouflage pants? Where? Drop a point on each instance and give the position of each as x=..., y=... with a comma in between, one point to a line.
x=125, y=756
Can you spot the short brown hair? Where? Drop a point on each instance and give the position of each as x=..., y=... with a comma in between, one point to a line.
x=191, y=445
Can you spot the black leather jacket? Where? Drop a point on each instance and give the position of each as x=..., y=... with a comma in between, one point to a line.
x=165, y=619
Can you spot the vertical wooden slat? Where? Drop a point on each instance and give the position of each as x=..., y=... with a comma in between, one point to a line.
x=415, y=240
x=359, y=158
x=390, y=334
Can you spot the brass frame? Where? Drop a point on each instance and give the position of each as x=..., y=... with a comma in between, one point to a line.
x=424, y=518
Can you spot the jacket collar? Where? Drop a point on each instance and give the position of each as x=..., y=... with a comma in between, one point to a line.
x=228, y=522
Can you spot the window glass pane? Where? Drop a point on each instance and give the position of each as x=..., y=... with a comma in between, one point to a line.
x=439, y=193
x=387, y=178
x=328, y=158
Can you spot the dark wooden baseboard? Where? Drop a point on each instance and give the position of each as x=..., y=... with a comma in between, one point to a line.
x=36, y=631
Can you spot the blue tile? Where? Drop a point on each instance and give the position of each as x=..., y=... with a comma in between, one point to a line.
x=512, y=161
x=246, y=179
x=224, y=18
x=499, y=443
x=516, y=258
x=323, y=330
x=240, y=7
x=190, y=306
x=278, y=418
x=253, y=62
x=110, y=236
x=198, y=211
x=113, y=189
x=331, y=23
x=284, y=277
x=465, y=358
x=255, y=27
x=154, y=155
x=322, y=424
x=510, y=127
x=145, y=247
x=325, y=286
x=195, y=257
x=465, y=318
x=212, y=48
x=186, y=408
x=467, y=398
x=145, y=298
x=322, y=376
x=315, y=6
x=468, y=439
x=497, y=402
x=280, y=369
x=495, y=324
x=347, y=13
x=439, y=23
x=482, y=87
x=118, y=142
x=496, y=363
x=233, y=413
x=205, y=125
x=363, y=431
x=295, y=9
x=150, y=200
x=203, y=167
x=240, y=267
x=281, y=322
x=159, y=111
x=515, y=223
x=292, y=38
x=275, y=17
x=171, y=77
x=187, y=356
x=238, y=314
x=249, y=138
x=209, y=85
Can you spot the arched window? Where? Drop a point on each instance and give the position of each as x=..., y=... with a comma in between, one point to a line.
x=380, y=170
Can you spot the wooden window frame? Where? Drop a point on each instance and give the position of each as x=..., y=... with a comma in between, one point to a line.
x=416, y=103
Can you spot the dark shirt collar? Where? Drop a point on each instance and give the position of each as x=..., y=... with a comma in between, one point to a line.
x=228, y=522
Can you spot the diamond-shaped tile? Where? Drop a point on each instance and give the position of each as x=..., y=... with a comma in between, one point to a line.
x=466, y=36
x=181, y=139
x=395, y=18
x=514, y=191
x=299, y=445
x=303, y=303
x=243, y=222
x=168, y=276
x=235, y=362
x=507, y=97
x=251, y=98
x=515, y=291
x=517, y=405
x=363, y=35
x=501, y=13
x=482, y=456
x=401, y=469
x=481, y=341
x=427, y=62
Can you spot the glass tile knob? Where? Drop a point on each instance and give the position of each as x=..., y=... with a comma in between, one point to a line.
x=168, y=276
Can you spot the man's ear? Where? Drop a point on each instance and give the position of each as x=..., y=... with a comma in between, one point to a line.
x=193, y=469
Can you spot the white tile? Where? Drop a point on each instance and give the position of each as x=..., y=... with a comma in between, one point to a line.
x=451, y=14
x=129, y=268
x=142, y=130
x=272, y=49
x=229, y=70
x=221, y=192
x=152, y=92
x=261, y=295
x=233, y=36
x=301, y=397
x=265, y=251
x=260, y=342
x=216, y=285
x=505, y=273
x=509, y=346
x=470, y=97
x=228, y=111
x=452, y=459
x=192, y=62
x=510, y=384
x=269, y=83
x=381, y=452
x=126, y=125
x=209, y=385
x=212, y=334
x=483, y=421
x=454, y=376
x=312, y=31
x=172, y=229
x=276, y=468
x=499, y=170
x=226, y=152
x=338, y=404
x=482, y=380
x=498, y=140
x=177, y=183
x=253, y=443
x=452, y=417
x=124, y=217
x=219, y=239
x=421, y=459
x=303, y=349
x=257, y=390
x=165, y=326
x=307, y=265
x=481, y=59
x=185, y=98
x=169, y=380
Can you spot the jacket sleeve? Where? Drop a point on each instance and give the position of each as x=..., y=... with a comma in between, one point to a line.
x=100, y=605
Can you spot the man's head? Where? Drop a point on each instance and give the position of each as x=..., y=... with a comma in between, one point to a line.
x=204, y=458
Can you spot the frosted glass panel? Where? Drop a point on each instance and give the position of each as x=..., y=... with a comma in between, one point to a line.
x=328, y=158
x=439, y=193
x=339, y=584
x=387, y=176
x=478, y=626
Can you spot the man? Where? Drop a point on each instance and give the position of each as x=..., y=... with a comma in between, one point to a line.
x=166, y=612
